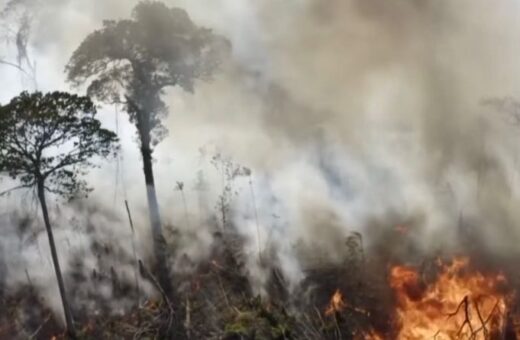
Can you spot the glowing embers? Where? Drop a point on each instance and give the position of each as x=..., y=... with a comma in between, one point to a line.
x=459, y=304
x=336, y=304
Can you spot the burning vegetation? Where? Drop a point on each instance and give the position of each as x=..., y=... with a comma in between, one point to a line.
x=457, y=302
x=449, y=298
x=372, y=296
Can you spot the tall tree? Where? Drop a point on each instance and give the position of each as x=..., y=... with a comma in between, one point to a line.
x=132, y=62
x=48, y=142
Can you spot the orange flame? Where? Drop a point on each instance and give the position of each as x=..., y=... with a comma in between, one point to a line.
x=336, y=304
x=460, y=304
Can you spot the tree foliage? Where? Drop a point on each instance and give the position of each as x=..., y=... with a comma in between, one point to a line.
x=52, y=138
x=132, y=61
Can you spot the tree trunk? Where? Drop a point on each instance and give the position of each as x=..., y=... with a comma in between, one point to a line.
x=155, y=219
x=153, y=205
x=54, y=254
x=144, y=130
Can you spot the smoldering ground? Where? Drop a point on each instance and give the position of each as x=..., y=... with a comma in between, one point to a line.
x=346, y=111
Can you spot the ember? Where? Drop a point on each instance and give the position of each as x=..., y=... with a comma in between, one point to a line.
x=336, y=304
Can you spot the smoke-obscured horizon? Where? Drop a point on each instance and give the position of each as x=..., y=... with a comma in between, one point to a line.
x=353, y=115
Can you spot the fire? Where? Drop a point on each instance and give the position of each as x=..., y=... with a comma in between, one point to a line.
x=336, y=304
x=460, y=304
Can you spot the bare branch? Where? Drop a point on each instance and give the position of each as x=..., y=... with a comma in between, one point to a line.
x=19, y=187
x=18, y=67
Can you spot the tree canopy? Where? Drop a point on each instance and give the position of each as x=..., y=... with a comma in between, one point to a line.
x=132, y=61
x=52, y=138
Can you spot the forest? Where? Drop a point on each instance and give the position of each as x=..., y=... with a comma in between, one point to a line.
x=234, y=170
